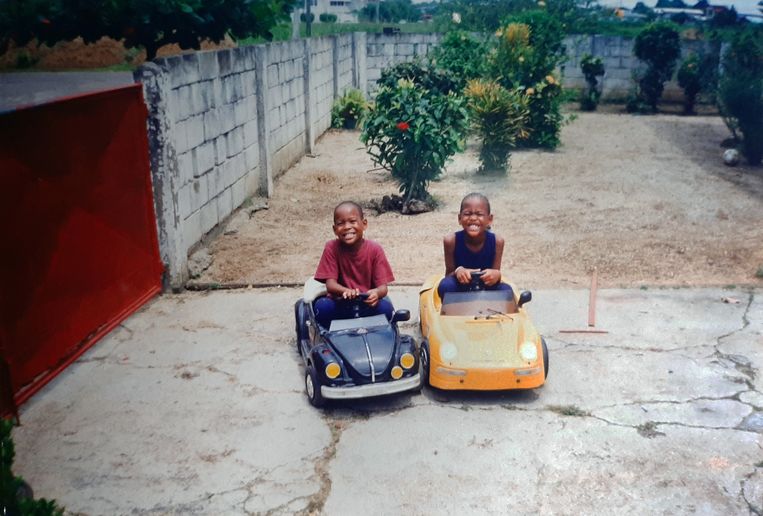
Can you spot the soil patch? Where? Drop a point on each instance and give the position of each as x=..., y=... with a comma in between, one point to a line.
x=644, y=199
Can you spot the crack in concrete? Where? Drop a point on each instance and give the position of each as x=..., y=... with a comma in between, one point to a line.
x=757, y=511
x=318, y=500
x=741, y=364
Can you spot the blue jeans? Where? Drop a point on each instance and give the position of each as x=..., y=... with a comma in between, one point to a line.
x=451, y=284
x=327, y=309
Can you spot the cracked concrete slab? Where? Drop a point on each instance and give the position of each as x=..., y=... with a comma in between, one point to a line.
x=195, y=405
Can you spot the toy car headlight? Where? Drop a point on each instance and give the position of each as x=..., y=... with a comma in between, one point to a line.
x=407, y=360
x=528, y=351
x=333, y=370
x=448, y=351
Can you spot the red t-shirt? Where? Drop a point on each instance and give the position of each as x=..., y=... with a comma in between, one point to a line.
x=363, y=269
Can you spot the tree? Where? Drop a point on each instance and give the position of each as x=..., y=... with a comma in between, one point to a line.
x=659, y=46
x=140, y=23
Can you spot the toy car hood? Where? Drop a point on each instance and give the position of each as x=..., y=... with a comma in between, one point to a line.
x=364, y=342
x=484, y=342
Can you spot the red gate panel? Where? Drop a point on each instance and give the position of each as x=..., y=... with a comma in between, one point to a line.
x=78, y=246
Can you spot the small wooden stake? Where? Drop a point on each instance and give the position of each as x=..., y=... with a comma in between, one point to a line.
x=591, y=309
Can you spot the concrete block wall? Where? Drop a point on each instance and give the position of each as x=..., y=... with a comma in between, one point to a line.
x=620, y=64
x=222, y=124
x=384, y=51
x=285, y=83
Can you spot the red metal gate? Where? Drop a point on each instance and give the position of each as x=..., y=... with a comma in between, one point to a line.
x=78, y=244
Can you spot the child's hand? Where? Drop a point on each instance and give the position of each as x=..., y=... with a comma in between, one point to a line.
x=463, y=275
x=373, y=297
x=350, y=293
x=490, y=277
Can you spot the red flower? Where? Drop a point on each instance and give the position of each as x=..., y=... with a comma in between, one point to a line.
x=403, y=126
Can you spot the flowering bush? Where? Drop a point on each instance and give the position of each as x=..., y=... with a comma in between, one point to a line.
x=412, y=131
x=499, y=117
x=525, y=56
x=592, y=67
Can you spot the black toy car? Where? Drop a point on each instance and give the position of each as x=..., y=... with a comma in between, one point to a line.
x=354, y=358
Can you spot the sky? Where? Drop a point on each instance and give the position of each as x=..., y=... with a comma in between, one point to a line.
x=742, y=6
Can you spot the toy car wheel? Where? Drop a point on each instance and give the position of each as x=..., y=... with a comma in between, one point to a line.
x=424, y=358
x=545, y=357
x=313, y=387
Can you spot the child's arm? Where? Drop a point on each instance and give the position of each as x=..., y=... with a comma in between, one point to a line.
x=462, y=274
x=336, y=289
x=375, y=294
x=493, y=276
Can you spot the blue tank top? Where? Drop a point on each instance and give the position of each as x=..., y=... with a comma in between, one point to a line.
x=480, y=260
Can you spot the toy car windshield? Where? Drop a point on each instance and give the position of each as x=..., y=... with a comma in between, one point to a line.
x=483, y=302
x=359, y=322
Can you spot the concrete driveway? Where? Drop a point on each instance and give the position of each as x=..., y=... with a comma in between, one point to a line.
x=195, y=405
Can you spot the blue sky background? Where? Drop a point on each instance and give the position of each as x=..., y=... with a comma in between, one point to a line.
x=742, y=6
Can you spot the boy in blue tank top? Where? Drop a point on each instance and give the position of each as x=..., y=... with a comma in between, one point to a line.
x=474, y=248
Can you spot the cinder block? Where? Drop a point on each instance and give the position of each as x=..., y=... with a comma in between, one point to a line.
x=183, y=69
x=231, y=88
x=216, y=180
x=192, y=229
x=224, y=204
x=235, y=141
x=205, y=157
x=227, y=118
x=225, y=62
x=186, y=167
x=208, y=67
x=238, y=191
x=209, y=215
x=250, y=132
x=184, y=200
x=221, y=150
x=180, y=136
x=199, y=193
x=212, y=126
x=252, y=157
x=195, y=131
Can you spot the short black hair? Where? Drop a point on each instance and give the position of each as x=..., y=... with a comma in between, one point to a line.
x=475, y=195
x=353, y=204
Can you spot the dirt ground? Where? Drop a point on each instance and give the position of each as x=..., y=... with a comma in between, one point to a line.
x=646, y=201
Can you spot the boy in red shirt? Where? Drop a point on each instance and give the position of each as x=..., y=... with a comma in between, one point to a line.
x=351, y=265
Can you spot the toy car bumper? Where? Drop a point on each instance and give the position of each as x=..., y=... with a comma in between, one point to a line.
x=371, y=389
x=486, y=379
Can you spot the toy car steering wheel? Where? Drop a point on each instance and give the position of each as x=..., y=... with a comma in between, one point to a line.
x=357, y=303
x=476, y=282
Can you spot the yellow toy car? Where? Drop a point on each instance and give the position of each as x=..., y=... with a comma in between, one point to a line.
x=479, y=339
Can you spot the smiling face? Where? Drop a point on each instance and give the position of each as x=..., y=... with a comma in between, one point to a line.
x=475, y=216
x=349, y=225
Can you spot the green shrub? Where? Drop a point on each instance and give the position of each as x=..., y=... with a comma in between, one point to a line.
x=461, y=56
x=499, y=116
x=327, y=18
x=740, y=92
x=690, y=79
x=658, y=45
x=422, y=74
x=412, y=131
x=15, y=494
x=348, y=109
x=303, y=17
x=592, y=68
x=526, y=54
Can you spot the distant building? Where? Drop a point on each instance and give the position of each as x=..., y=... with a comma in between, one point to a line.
x=345, y=10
